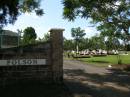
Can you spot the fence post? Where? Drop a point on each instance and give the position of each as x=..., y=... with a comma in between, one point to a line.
x=56, y=36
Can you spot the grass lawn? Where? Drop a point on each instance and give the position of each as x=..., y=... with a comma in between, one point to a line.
x=106, y=60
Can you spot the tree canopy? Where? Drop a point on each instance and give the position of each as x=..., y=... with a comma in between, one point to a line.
x=11, y=9
x=46, y=37
x=111, y=15
x=29, y=36
x=77, y=34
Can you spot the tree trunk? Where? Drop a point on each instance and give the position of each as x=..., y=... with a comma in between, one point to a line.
x=77, y=49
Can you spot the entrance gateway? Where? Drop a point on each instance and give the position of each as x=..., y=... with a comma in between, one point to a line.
x=40, y=62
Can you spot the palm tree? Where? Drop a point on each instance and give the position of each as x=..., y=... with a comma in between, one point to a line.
x=77, y=34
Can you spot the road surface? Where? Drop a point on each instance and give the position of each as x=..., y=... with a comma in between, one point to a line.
x=89, y=81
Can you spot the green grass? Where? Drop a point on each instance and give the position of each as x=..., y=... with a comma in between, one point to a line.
x=106, y=60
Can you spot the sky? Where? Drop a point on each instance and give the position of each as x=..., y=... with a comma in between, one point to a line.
x=52, y=18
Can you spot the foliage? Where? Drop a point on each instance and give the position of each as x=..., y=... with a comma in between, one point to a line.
x=84, y=44
x=128, y=47
x=29, y=36
x=77, y=34
x=46, y=37
x=111, y=15
x=96, y=42
x=69, y=44
x=11, y=9
x=20, y=36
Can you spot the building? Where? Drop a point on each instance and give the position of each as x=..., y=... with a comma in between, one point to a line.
x=8, y=39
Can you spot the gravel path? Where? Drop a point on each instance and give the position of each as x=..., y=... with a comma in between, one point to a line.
x=73, y=64
x=90, y=81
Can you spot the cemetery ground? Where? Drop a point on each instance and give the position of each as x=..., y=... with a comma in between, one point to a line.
x=104, y=61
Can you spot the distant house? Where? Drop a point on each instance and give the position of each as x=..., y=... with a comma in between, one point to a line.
x=8, y=39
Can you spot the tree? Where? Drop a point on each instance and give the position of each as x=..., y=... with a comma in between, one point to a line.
x=109, y=14
x=84, y=44
x=124, y=38
x=46, y=37
x=68, y=44
x=20, y=37
x=96, y=42
x=112, y=42
x=11, y=9
x=78, y=34
x=112, y=39
x=29, y=36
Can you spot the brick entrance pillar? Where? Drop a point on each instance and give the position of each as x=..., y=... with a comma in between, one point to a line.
x=57, y=54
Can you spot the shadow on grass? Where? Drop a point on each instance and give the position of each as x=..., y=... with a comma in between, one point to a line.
x=117, y=76
x=34, y=90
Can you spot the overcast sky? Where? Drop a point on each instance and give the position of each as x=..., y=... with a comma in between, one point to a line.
x=52, y=18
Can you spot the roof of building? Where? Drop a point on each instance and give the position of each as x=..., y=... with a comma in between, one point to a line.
x=8, y=32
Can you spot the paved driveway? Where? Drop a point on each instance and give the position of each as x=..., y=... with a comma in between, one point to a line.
x=89, y=81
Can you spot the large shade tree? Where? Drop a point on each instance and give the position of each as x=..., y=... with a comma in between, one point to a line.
x=109, y=14
x=77, y=34
x=11, y=9
x=112, y=39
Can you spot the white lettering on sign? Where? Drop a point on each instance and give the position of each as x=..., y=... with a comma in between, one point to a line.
x=22, y=62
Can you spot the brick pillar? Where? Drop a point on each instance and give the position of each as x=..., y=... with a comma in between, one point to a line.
x=57, y=54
